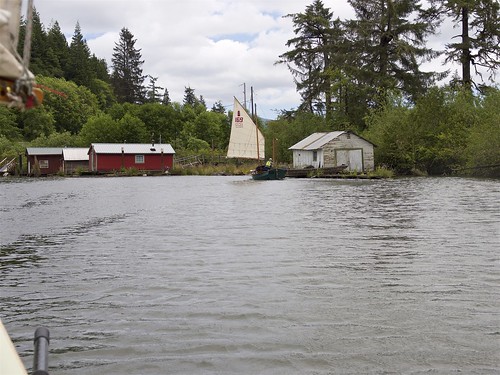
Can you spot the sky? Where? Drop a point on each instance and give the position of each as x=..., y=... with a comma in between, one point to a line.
x=216, y=47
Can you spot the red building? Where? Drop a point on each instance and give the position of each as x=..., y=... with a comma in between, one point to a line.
x=44, y=160
x=108, y=157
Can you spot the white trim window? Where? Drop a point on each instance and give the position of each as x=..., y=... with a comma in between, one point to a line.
x=43, y=164
x=139, y=159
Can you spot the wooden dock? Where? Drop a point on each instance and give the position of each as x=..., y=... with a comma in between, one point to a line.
x=315, y=172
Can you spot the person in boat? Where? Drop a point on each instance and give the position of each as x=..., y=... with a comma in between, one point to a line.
x=269, y=163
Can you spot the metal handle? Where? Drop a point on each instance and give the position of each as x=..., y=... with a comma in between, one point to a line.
x=41, y=355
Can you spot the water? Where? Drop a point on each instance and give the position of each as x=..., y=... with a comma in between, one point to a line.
x=225, y=275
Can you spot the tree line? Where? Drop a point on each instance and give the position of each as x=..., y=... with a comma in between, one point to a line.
x=363, y=74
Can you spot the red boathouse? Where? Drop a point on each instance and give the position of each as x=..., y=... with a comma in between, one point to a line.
x=44, y=160
x=108, y=157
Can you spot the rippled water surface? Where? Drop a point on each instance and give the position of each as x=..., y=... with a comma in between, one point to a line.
x=225, y=275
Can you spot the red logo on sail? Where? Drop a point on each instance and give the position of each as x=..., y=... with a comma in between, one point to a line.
x=238, y=119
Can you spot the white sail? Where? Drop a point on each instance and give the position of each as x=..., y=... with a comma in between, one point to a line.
x=246, y=140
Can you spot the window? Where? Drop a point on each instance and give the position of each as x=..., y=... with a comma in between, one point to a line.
x=43, y=164
x=315, y=155
x=139, y=159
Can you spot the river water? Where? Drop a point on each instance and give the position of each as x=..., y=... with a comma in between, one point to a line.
x=225, y=275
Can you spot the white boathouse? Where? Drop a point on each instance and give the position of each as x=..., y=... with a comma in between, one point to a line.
x=333, y=149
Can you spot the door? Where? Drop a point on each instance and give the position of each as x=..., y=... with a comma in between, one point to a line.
x=352, y=158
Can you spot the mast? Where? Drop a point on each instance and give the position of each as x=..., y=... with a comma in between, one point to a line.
x=27, y=37
x=256, y=126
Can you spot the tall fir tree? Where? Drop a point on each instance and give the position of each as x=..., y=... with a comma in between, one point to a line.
x=189, y=97
x=38, y=55
x=388, y=39
x=153, y=95
x=166, y=98
x=477, y=49
x=309, y=58
x=57, y=51
x=79, y=69
x=127, y=78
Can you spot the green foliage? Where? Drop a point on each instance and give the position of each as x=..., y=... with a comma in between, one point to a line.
x=444, y=130
x=36, y=123
x=132, y=130
x=196, y=144
x=162, y=122
x=286, y=131
x=69, y=104
x=8, y=124
x=79, y=68
x=64, y=139
x=127, y=78
x=483, y=148
x=9, y=149
x=101, y=128
x=103, y=92
x=394, y=135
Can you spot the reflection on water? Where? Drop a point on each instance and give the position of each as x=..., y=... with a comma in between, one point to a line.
x=227, y=275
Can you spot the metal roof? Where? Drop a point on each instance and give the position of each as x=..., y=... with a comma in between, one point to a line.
x=75, y=154
x=132, y=148
x=316, y=140
x=44, y=151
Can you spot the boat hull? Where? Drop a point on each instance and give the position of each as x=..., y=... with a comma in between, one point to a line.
x=270, y=174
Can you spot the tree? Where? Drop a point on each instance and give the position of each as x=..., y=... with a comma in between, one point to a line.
x=38, y=50
x=388, y=39
x=309, y=59
x=479, y=41
x=484, y=140
x=79, y=66
x=127, y=78
x=152, y=94
x=162, y=121
x=189, y=97
x=101, y=128
x=166, y=98
x=36, y=123
x=103, y=92
x=218, y=107
x=69, y=104
x=99, y=67
x=8, y=124
x=57, y=51
x=132, y=129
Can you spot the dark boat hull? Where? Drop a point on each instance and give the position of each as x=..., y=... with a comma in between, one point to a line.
x=269, y=174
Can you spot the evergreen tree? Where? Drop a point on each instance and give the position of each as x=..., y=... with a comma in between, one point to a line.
x=79, y=66
x=189, y=97
x=388, y=39
x=153, y=95
x=127, y=78
x=218, y=107
x=479, y=41
x=38, y=45
x=309, y=60
x=57, y=51
x=202, y=101
x=100, y=68
x=166, y=98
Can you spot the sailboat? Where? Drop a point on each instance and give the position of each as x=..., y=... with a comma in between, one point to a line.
x=247, y=142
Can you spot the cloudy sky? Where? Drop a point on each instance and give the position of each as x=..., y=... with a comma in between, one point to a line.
x=212, y=46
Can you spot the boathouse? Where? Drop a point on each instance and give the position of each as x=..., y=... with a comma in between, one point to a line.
x=75, y=159
x=44, y=160
x=334, y=149
x=108, y=157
